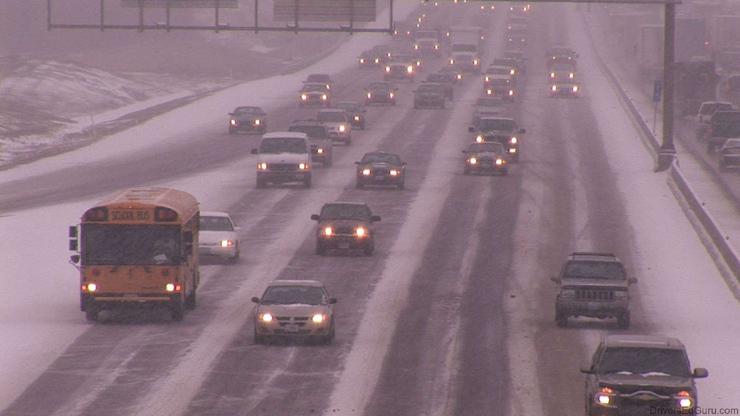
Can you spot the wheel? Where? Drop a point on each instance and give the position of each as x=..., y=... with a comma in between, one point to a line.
x=320, y=249
x=623, y=321
x=370, y=249
x=91, y=313
x=190, y=301
x=328, y=338
x=561, y=320
x=235, y=258
x=178, y=311
x=307, y=181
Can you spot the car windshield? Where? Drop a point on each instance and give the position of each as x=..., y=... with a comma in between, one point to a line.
x=248, y=110
x=294, y=295
x=430, y=88
x=562, y=67
x=277, y=145
x=498, y=70
x=436, y=78
x=497, y=124
x=501, y=82
x=465, y=48
x=331, y=116
x=215, y=223
x=645, y=362
x=381, y=158
x=504, y=62
x=345, y=211
x=323, y=78
x=708, y=109
x=594, y=270
x=486, y=147
x=489, y=102
x=313, y=132
x=379, y=87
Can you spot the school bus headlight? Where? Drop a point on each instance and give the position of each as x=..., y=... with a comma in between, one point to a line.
x=90, y=287
x=266, y=317
x=304, y=97
x=262, y=166
x=234, y=122
x=327, y=231
x=227, y=243
x=303, y=166
x=366, y=172
x=172, y=287
x=318, y=318
x=360, y=232
x=472, y=161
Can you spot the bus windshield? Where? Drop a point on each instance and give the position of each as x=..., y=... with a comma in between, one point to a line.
x=121, y=245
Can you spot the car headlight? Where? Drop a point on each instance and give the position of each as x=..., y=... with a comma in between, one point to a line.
x=459, y=76
x=604, y=396
x=513, y=140
x=511, y=93
x=257, y=122
x=685, y=401
x=416, y=46
x=512, y=72
x=568, y=293
x=575, y=88
x=472, y=161
x=342, y=128
x=452, y=62
x=620, y=294
x=377, y=60
x=480, y=139
x=360, y=231
x=327, y=231
x=500, y=162
x=512, y=150
x=303, y=166
x=233, y=122
x=488, y=79
x=554, y=88
x=90, y=287
x=387, y=69
x=357, y=118
x=324, y=96
x=320, y=150
x=369, y=95
x=571, y=75
x=436, y=46
x=394, y=172
x=304, y=97
x=366, y=172
x=410, y=69
x=262, y=166
x=362, y=60
x=266, y=317
x=318, y=318
x=226, y=243
x=391, y=95
x=489, y=92
x=476, y=62
x=552, y=75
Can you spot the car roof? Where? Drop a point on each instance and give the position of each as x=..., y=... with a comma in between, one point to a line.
x=643, y=341
x=332, y=110
x=345, y=203
x=496, y=118
x=284, y=134
x=314, y=283
x=379, y=153
x=593, y=256
x=214, y=214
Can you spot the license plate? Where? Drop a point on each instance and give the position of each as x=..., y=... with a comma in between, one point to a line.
x=594, y=306
x=291, y=328
x=344, y=245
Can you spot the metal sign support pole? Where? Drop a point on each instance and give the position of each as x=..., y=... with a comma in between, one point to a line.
x=667, y=151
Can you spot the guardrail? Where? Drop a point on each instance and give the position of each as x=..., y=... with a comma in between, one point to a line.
x=710, y=226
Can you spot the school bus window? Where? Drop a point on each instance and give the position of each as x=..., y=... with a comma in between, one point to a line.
x=112, y=244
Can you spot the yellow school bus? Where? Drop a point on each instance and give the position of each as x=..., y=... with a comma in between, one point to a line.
x=138, y=247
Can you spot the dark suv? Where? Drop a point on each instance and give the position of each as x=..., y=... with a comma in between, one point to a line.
x=594, y=285
x=638, y=374
x=345, y=226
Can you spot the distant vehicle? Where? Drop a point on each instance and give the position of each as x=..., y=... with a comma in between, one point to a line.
x=729, y=155
x=247, y=118
x=294, y=309
x=427, y=42
x=562, y=72
x=381, y=168
x=500, y=86
x=641, y=374
x=336, y=119
x=446, y=80
x=497, y=72
x=217, y=236
x=284, y=157
x=485, y=157
x=594, y=285
x=355, y=111
x=488, y=107
x=516, y=38
x=380, y=93
x=315, y=94
x=430, y=94
x=322, y=147
x=730, y=89
x=501, y=129
x=345, y=226
x=564, y=51
x=695, y=82
x=138, y=248
x=319, y=79
x=567, y=89
x=465, y=63
x=455, y=73
x=369, y=59
x=403, y=71
x=510, y=63
x=723, y=125
x=708, y=108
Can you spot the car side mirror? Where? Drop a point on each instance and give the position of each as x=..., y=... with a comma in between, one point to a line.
x=364, y=111
x=315, y=217
x=700, y=373
x=403, y=163
x=231, y=114
x=75, y=258
x=255, y=151
x=471, y=129
x=587, y=369
x=556, y=279
x=375, y=218
x=522, y=131
x=332, y=301
x=357, y=163
x=633, y=280
x=465, y=151
x=255, y=299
